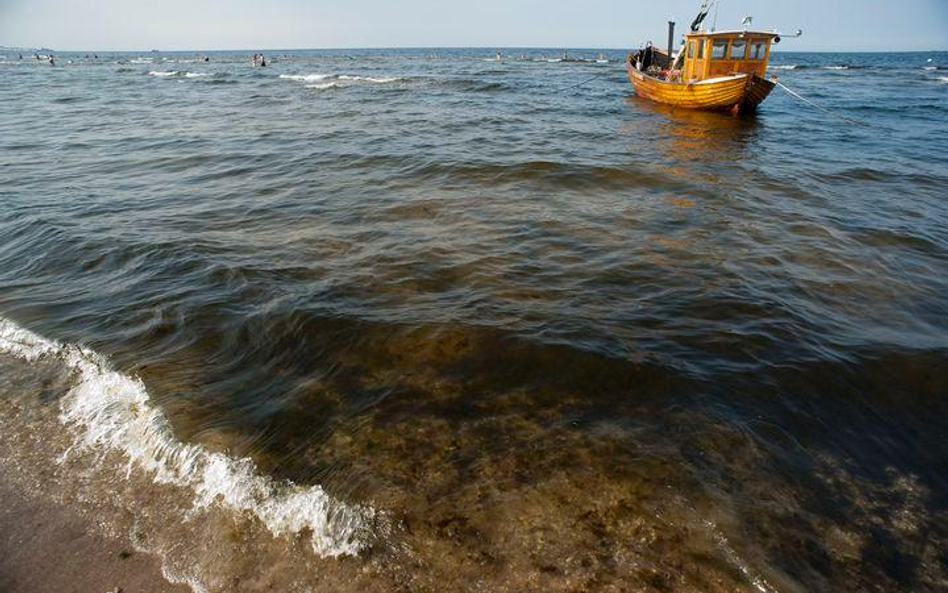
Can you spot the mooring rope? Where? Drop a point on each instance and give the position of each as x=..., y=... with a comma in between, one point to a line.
x=818, y=106
x=590, y=79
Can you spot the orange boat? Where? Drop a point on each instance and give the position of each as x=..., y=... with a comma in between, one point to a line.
x=722, y=70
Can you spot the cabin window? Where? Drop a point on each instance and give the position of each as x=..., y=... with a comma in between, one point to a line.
x=757, y=51
x=701, y=49
x=691, y=49
x=737, y=50
x=719, y=50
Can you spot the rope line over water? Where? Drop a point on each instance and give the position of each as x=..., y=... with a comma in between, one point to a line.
x=579, y=84
x=820, y=107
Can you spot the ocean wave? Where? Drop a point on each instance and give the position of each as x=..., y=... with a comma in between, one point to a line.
x=112, y=411
x=942, y=79
x=373, y=79
x=786, y=67
x=141, y=60
x=337, y=79
x=306, y=77
x=178, y=73
x=323, y=86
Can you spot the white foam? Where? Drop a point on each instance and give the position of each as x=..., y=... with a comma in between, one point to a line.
x=181, y=73
x=325, y=85
x=784, y=67
x=305, y=77
x=835, y=67
x=942, y=79
x=929, y=67
x=141, y=60
x=111, y=411
x=373, y=79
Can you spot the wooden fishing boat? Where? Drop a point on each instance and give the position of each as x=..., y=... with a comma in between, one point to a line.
x=720, y=70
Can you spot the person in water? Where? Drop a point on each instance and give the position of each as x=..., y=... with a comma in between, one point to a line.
x=52, y=61
x=263, y=60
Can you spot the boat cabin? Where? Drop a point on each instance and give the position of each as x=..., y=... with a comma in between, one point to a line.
x=721, y=53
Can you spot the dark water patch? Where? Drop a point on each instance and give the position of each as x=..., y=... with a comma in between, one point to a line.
x=902, y=238
x=538, y=173
x=883, y=176
x=473, y=85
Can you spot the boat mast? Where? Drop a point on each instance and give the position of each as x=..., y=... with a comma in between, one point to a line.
x=702, y=14
x=706, y=6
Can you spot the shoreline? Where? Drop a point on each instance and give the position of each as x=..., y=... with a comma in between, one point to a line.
x=46, y=547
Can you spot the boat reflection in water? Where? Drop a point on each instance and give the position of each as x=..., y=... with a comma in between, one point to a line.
x=696, y=135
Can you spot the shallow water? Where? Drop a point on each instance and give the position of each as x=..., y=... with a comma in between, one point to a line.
x=418, y=320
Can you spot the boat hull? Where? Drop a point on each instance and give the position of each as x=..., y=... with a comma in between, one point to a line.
x=740, y=93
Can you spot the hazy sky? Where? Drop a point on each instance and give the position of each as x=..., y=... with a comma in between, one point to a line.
x=285, y=24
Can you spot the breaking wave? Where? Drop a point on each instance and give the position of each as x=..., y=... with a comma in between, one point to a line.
x=305, y=77
x=178, y=73
x=317, y=80
x=374, y=79
x=112, y=411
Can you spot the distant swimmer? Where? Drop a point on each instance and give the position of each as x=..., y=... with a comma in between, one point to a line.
x=52, y=61
x=207, y=59
x=499, y=57
x=263, y=60
x=256, y=58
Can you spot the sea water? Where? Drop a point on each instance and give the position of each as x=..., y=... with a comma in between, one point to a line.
x=424, y=320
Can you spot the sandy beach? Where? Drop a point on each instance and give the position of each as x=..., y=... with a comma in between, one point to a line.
x=44, y=547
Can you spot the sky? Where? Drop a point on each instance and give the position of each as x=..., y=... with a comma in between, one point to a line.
x=828, y=25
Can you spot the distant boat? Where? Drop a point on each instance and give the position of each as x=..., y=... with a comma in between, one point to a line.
x=719, y=70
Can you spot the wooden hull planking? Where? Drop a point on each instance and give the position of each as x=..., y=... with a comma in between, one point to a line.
x=740, y=92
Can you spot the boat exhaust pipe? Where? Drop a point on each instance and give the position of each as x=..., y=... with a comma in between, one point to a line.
x=671, y=41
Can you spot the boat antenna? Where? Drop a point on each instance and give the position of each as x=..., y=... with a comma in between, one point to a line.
x=714, y=25
x=702, y=14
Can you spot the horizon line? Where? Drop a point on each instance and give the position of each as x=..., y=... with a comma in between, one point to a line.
x=427, y=47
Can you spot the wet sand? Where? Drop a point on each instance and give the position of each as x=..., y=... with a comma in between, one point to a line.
x=47, y=548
